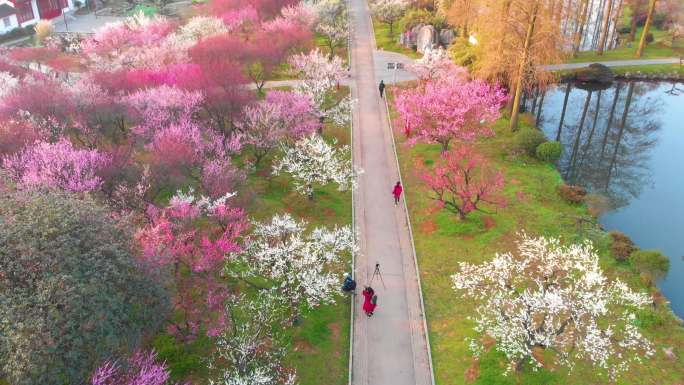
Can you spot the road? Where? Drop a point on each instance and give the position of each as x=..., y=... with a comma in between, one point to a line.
x=389, y=348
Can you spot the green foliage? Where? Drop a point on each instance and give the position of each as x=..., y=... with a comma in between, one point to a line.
x=549, y=151
x=183, y=360
x=416, y=16
x=651, y=262
x=527, y=140
x=71, y=293
x=462, y=52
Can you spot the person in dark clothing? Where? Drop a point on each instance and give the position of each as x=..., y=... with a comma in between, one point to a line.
x=349, y=285
x=381, y=87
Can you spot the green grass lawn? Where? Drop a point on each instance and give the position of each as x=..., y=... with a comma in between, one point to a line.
x=389, y=42
x=655, y=69
x=660, y=48
x=442, y=241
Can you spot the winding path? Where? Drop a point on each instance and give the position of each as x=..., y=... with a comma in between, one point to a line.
x=391, y=347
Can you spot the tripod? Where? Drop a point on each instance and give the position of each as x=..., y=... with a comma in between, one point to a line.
x=377, y=272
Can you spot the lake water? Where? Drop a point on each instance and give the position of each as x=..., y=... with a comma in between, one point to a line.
x=626, y=143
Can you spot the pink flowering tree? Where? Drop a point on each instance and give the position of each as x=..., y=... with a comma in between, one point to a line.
x=462, y=180
x=442, y=110
x=162, y=106
x=174, y=245
x=220, y=176
x=141, y=368
x=436, y=64
x=281, y=116
x=56, y=165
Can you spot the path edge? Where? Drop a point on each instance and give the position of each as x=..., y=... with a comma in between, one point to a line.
x=410, y=227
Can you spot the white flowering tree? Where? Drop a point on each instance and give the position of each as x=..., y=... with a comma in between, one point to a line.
x=388, y=11
x=313, y=161
x=302, y=264
x=332, y=22
x=556, y=298
x=7, y=83
x=252, y=350
x=436, y=64
x=320, y=77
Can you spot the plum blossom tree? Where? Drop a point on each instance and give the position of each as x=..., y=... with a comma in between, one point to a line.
x=220, y=176
x=436, y=64
x=174, y=244
x=333, y=22
x=320, y=76
x=556, y=298
x=442, y=110
x=7, y=83
x=301, y=264
x=141, y=368
x=162, y=106
x=313, y=161
x=389, y=11
x=252, y=351
x=56, y=165
x=462, y=180
x=279, y=117
x=302, y=13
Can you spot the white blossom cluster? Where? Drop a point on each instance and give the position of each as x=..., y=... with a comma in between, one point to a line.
x=202, y=203
x=555, y=297
x=303, y=264
x=313, y=161
x=250, y=352
x=7, y=83
x=388, y=10
x=333, y=20
x=320, y=76
x=435, y=64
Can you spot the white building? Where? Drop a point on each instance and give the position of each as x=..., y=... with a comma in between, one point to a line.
x=21, y=13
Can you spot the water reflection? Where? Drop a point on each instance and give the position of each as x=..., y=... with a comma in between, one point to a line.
x=626, y=142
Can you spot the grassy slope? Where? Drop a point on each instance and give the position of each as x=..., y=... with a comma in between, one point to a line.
x=659, y=48
x=388, y=42
x=442, y=241
x=319, y=345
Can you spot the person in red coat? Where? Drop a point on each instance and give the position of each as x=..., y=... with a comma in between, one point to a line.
x=397, y=192
x=370, y=300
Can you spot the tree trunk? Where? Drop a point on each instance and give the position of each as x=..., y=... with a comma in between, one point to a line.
x=649, y=20
x=623, y=123
x=606, y=27
x=633, y=23
x=565, y=107
x=579, y=31
x=515, y=112
x=614, y=32
x=539, y=111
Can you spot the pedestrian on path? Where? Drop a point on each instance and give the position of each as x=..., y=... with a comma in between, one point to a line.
x=381, y=87
x=370, y=300
x=397, y=192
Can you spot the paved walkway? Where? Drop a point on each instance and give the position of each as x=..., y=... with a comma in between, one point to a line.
x=391, y=347
x=613, y=63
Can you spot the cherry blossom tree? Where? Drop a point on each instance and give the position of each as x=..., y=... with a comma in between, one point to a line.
x=220, y=176
x=175, y=244
x=56, y=165
x=163, y=106
x=388, y=11
x=301, y=13
x=442, y=110
x=141, y=368
x=462, y=180
x=320, y=77
x=556, y=298
x=280, y=116
x=302, y=264
x=333, y=22
x=436, y=64
x=312, y=161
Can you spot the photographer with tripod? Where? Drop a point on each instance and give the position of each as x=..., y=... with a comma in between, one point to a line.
x=370, y=298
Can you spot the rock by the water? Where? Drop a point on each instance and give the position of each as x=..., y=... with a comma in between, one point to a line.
x=595, y=77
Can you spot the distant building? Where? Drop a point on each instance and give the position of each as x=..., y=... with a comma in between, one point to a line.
x=21, y=13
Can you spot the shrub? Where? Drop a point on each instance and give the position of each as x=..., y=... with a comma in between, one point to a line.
x=572, y=193
x=649, y=37
x=462, y=53
x=527, y=140
x=421, y=16
x=71, y=293
x=650, y=262
x=549, y=151
x=621, y=246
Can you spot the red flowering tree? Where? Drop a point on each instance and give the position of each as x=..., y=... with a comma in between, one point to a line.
x=188, y=241
x=444, y=109
x=462, y=180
